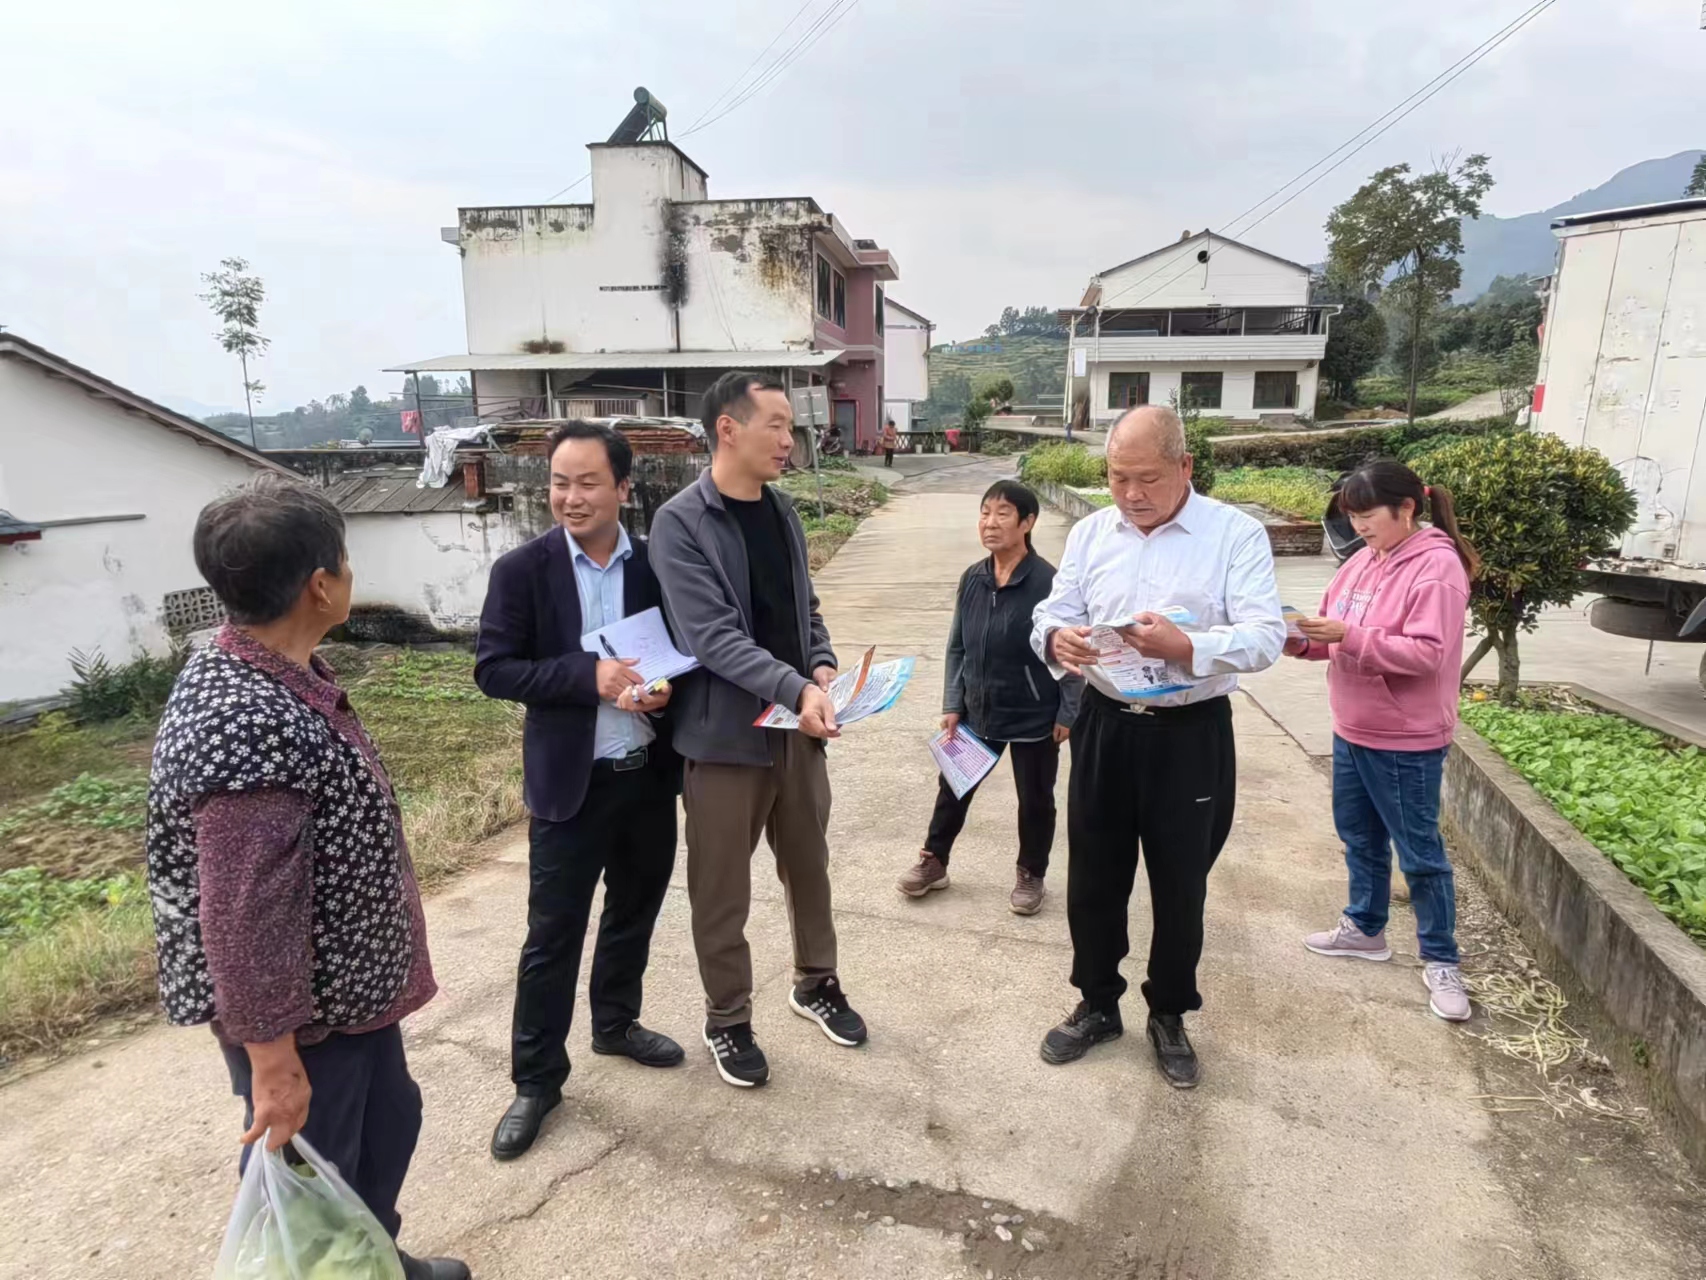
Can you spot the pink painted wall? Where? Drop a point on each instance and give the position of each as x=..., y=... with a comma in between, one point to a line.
x=859, y=376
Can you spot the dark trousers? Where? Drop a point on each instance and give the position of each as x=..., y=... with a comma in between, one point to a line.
x=1036, y=765
x=888, y=457
x=625, y=831
x=1163, y=781
x=364, y=1114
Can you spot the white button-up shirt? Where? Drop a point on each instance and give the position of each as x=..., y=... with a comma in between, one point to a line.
x=1210, y=558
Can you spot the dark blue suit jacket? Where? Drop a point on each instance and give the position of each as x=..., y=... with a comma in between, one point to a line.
x=530, y=652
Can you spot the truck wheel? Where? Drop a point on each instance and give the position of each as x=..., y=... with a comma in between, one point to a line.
x=1636, y=621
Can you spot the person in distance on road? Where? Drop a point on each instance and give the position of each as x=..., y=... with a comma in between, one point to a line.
x=1157, y=771
x=600, y=777
x=731, y=554
x=1000, y=690
x=285, y=906
x=1391, y=630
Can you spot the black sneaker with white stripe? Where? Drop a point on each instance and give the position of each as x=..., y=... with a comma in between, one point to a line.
x=739, y=1059
x=825, y=1004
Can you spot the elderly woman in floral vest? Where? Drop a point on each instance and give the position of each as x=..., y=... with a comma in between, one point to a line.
x=285, y=905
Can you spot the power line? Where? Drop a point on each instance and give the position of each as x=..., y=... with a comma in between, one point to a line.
x=1391, y=118
x=825, y=22
x=718, y=100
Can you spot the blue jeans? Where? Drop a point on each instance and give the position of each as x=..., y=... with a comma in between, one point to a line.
x=1386, y=798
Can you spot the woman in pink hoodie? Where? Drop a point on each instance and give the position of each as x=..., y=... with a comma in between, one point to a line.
x=1391, y=631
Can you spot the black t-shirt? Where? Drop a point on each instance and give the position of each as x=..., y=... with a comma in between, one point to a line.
x=770, y=565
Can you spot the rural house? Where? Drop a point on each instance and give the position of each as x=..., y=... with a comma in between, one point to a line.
x=634, y=303
x=1226, y=325
x=99, y=493
x=906, y=349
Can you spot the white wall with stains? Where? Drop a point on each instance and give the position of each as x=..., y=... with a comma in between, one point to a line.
x=98, y=586
x=433, y=564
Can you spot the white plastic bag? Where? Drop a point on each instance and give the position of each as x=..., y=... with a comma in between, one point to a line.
x=302, y=1222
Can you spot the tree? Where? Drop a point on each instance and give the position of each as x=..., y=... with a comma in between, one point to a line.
x=1518, y=365
x=1413, y=225
x=1197, y=442
x=997, y=389
x=359, y=403
x=1535, y=508
x=1356, y=341
x=235, y=297
x=1697, y=179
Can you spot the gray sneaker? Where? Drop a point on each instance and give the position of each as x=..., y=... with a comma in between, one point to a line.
x=1027, y=897
x=1348, y=940
x=926, y=874
x=1447, y=996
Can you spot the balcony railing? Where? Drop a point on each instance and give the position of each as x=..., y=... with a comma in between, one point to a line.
x=1205, y=322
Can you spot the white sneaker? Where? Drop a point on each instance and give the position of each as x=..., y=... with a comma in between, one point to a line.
x=1345, y=939
x=1448, y=997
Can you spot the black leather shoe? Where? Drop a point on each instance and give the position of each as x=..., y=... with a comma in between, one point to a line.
x=648, y=1048
x=1173, y=1052
x=433, y=1268
x=1080, y=1033
x=520, y=1125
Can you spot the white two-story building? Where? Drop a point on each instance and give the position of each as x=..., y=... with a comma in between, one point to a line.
x=634, y=303
x=1227, y=326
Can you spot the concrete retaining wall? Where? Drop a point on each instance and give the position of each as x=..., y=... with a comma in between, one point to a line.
x=1287, y=537
x=1638, y=976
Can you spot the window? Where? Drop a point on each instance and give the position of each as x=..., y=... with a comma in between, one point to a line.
x=1201, y=390
x=193, y=610
x=1127, y=390
x=880, y=297
x=831, y=293
x=1276, y=391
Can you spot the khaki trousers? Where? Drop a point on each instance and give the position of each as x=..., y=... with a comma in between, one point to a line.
x=728, y=807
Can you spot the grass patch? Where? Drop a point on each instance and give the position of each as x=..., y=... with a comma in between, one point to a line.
x=1639, y=796
x=76, y=939
x=1071, y=465
x=1292, y=491
x=844, y=493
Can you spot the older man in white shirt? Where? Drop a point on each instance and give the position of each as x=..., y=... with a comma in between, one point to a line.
x=1189, y=584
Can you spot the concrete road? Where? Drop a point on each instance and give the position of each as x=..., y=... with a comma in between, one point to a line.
x=1340, y=1130
x=1564, y=648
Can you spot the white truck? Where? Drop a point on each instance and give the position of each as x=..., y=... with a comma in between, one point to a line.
x=1623, y=371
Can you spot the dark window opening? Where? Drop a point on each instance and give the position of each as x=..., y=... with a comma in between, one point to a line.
x=880, y=299
x=1276, y=391
x=825, y=273
x=1127, y=390
x=840, y=313
x=1200, y=390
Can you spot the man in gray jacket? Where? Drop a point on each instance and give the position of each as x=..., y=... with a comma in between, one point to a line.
x=731, y=556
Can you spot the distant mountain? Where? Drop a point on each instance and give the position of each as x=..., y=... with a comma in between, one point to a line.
x=195, y=408
x=1525, y=245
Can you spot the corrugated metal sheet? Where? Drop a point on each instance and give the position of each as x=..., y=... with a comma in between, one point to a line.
x=623, y=360
x=395, y=493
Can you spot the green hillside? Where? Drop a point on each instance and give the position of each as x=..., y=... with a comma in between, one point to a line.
x=1036, y=365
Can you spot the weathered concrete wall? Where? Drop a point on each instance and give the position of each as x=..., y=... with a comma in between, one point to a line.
x=96, y=586
x=434, y=565
x=1640, y=976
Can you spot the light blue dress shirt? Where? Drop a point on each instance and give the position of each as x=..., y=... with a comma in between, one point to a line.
x=618, y=732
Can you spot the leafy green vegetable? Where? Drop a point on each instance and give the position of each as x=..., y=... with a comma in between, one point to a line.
x=1639, y=796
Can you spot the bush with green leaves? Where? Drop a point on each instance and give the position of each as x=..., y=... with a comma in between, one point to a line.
x=1344, y=448
x=32, y=902
x=1201, y=448
x=1638, y=796
x=1535, y=508
x=1060, y=463
x=1292, y=491
x=101, y=690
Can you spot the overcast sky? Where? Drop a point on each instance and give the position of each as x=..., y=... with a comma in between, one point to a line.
x=1003, y=150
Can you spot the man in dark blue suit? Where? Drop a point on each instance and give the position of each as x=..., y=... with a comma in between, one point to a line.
x=600, y=780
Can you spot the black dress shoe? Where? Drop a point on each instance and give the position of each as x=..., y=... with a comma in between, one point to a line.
x=433, y=1268
x=648, y=1048
x=520, y=1125
x=1080, y=1033
x=1173, y=1052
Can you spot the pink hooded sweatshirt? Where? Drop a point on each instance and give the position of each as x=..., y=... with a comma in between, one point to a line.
x=1393, y=682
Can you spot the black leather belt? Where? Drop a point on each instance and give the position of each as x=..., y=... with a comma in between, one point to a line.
x=625, y=764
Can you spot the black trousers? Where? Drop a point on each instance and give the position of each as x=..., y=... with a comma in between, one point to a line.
x=1036, y=765
x=1164, y=781
x=625, y=831
x=364, y=1115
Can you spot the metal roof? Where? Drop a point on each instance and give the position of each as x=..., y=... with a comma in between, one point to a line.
x=57, y=366
x=1685, y=205
x=394, y=493
x=623, y=360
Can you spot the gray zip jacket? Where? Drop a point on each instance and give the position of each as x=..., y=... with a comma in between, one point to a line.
x=700, y=559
